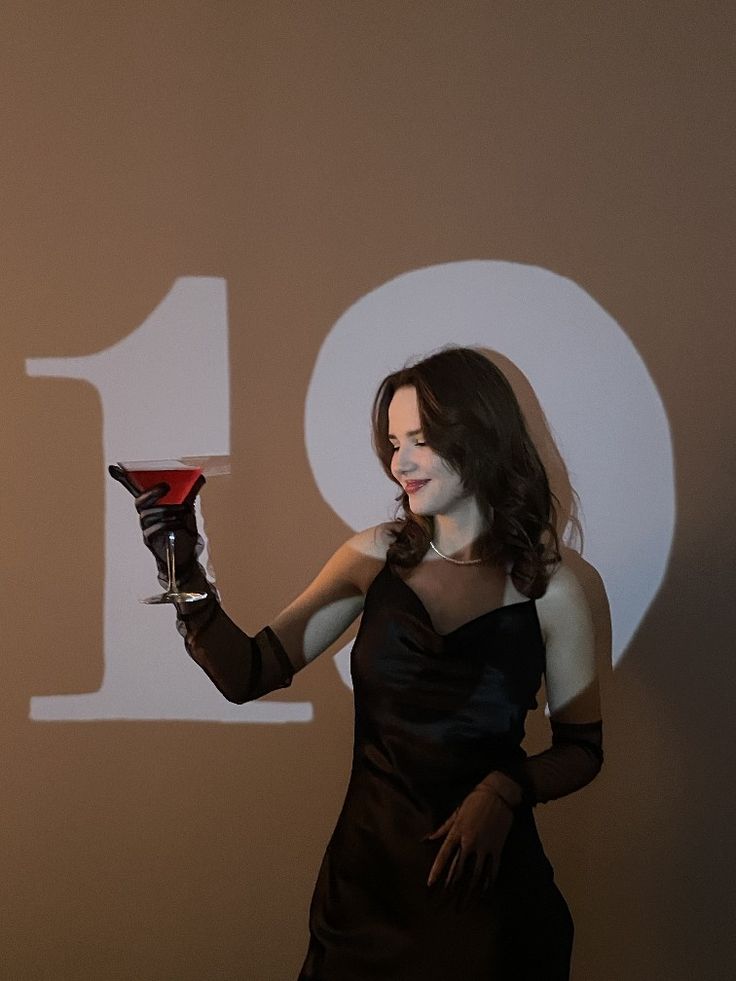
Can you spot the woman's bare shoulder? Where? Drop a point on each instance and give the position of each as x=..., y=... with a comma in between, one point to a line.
x=563, y=584
x=369, y=548
x=575, y=593
x=374, y=542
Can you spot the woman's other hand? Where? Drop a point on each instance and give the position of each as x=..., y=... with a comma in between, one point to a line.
x=474, y=836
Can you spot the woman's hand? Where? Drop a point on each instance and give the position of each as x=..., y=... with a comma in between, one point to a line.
x=157, y=520
x=474, y=834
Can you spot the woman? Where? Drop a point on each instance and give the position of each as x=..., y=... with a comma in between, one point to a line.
x=435, y=870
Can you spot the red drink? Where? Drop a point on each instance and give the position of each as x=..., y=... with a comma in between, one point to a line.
x=180, y=479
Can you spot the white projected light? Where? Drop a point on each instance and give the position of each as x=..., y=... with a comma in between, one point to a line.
x=601, y=404
x=165, y=393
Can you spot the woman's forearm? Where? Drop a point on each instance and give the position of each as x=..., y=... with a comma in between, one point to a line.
x=241, y=667
x=571, y=762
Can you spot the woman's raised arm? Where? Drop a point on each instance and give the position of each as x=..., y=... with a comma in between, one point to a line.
x=243, y=667
x=334, y=598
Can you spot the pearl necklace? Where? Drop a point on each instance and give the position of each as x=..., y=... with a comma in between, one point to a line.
x=454, y=561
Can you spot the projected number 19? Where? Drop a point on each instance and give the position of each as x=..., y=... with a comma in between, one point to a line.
x=581, y=366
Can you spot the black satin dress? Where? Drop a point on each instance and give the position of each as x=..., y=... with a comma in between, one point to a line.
x=434, y=714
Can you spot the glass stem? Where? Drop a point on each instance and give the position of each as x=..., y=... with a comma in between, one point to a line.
x=170, y=561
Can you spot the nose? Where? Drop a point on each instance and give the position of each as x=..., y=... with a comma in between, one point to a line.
x=402, y=460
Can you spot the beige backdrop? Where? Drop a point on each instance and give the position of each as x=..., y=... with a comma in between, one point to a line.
x=308, y=152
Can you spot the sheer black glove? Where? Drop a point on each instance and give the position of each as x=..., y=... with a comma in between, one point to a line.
x=241, y=667
x=157, y=520
x=571, y=762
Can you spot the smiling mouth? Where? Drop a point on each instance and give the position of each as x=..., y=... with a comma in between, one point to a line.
x=414, y=485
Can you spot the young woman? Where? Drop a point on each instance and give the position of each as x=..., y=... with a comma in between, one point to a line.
x=435, y=870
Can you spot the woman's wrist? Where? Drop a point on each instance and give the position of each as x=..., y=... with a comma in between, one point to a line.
x=194, y=580
x=503, y=787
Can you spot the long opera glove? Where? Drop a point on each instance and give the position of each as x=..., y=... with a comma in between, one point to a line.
x=241, y=667
x=571, y=762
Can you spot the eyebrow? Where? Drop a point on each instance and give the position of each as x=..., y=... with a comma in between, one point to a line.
x=413, y=432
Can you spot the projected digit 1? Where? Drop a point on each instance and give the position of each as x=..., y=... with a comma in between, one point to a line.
x=151, y=413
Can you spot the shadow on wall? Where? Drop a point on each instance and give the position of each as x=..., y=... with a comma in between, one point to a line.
x=569, y=526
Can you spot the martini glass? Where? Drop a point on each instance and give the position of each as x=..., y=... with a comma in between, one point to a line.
x=182, y=478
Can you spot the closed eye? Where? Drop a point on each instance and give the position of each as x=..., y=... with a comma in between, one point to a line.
x=395, y=448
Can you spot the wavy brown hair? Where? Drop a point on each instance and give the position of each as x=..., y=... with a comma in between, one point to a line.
x=472, y=419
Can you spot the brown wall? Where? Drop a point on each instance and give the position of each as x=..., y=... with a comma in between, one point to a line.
x=308, y=153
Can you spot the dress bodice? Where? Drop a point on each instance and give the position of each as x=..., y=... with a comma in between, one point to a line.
x=442, y=709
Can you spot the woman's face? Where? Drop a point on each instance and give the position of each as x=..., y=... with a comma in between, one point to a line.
x=433, y=487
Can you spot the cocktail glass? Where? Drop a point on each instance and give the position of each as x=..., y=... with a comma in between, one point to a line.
x=142, y=475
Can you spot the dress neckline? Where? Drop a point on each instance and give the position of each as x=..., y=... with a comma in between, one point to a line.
x=481, y=616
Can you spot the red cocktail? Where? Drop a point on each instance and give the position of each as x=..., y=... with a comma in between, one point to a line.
x=181, y=479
